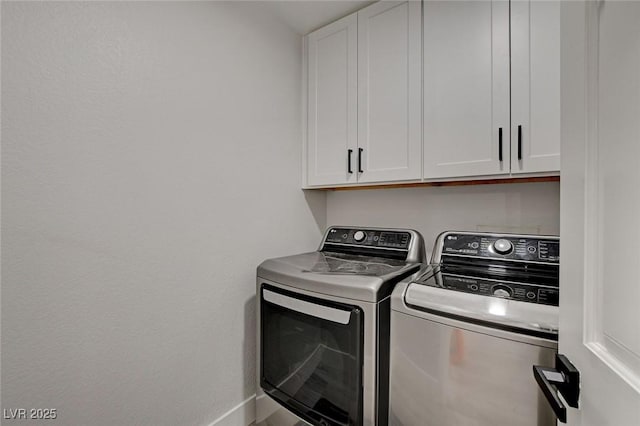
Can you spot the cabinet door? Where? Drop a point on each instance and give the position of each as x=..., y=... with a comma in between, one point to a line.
x=535, y=86
x=466, y=88
x=389, y=80
x=332, y=102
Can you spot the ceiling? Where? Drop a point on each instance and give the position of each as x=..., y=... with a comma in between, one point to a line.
x=305, y=16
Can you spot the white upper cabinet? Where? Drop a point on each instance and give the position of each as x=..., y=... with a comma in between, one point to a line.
x=332, y=103
x=364, y=97
x=466, y=88
x=389, y=85
x=535, y=86
x=404, y=91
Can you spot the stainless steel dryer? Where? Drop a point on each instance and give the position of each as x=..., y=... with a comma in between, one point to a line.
x=323, y=328
x=467, y=329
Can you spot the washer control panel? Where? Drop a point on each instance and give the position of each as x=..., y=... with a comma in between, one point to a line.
x=369, y=238
x=508, y=290
x=518, y=267
x=515, y=247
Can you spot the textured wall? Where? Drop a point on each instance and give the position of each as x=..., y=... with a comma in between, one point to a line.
x=150, y=160
x=523, y=207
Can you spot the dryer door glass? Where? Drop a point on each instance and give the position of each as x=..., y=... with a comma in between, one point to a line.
x=311, y=356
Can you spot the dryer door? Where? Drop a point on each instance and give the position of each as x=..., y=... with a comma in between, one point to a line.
x=311, y=356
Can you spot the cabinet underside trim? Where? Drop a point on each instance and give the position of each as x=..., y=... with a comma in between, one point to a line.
x=447, y=183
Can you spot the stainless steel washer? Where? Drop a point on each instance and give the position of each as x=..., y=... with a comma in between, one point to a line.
x=323, y=328
x=467, y=329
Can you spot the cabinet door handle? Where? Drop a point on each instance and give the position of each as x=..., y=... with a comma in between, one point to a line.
x=519, y=142
x=350, y=151
x=360, y=160
x=500, y=144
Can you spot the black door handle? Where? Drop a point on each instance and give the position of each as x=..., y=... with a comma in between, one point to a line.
x=546, y=385
x=350, y=151
x=565, y=378
x=500, y=144
x=519, y=142
x=360, y=160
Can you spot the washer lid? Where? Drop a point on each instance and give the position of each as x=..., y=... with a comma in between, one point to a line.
x=350, y=276
x=532, y=318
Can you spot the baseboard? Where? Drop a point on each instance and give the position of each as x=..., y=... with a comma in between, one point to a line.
x=242, y=414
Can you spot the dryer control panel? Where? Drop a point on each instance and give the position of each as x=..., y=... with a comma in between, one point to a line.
x=370, y=238
x=405, y=244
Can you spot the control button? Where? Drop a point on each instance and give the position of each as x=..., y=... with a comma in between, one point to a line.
x=531, y=295
x=474, y=245
x=531, y=249
x=503, y=246
x=359, y=236
x=473, y=287
x=501, y=291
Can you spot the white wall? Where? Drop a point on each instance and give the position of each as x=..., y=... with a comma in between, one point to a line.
x=150, y=160
x=520, y=208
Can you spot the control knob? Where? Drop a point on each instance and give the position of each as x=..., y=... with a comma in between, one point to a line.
x=503, y=246
x=359, y=236
x=501, y=291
